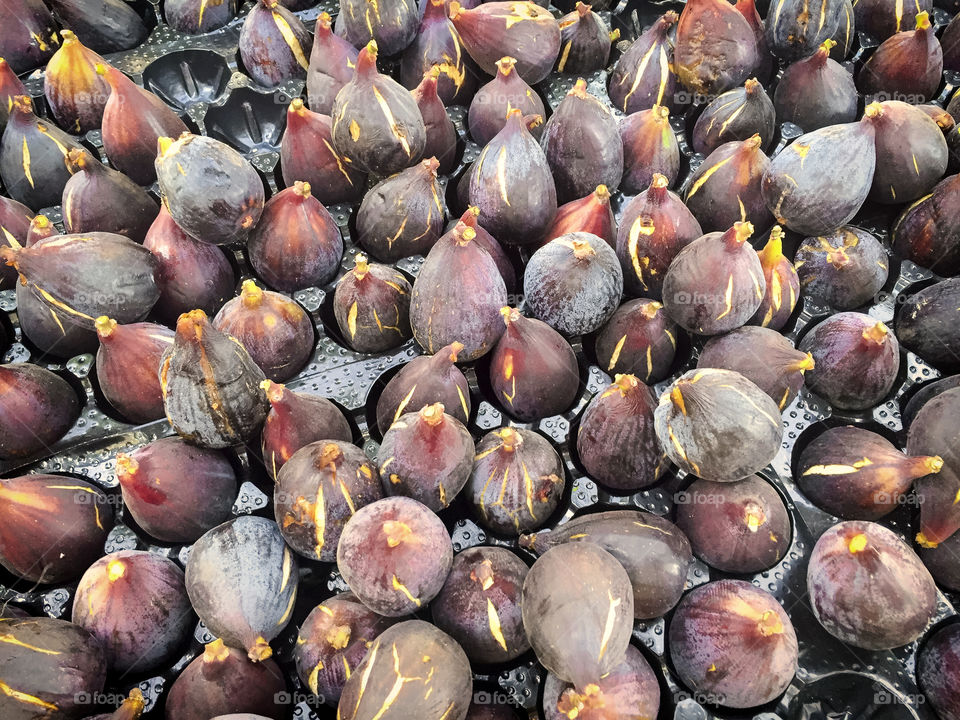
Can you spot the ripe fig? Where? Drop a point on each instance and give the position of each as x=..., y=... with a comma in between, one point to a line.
x=934, y=432
x=845, y=33
x=372, y=307
x=649, y=148
x=30, y=36
x=928, y=231
x=816, y=91
x=880, y=19
x=906, y=140
x=520, y=30
x=274, y=44
x=907, y=66
x=638, y=339
x=517, y=480
x=413, y=556
x=488, y=109
x=152, y=481
x=489, y=243
x=37, y=408
x=136, y=605
x=196, y=17
x=242, y=582
x=376, y=122
x=332, y=60
x=716, y=49
x=927, y=323
x=737, y=114
x=49, y=329
x=54, y=526
x=10, y=87
x=937, y=671
x=392, y=26
x=231, y=199
x=857, y=360
x=845, y=268
x=106, y=26
x=782, y=284
x=211, y=385
x=127, y=363
x=766, y=63
x=584, y=41
x=643, y=77
x=75, y=92
x=438, y=44
x=16, y=219
x=590, y=214
x=795, y=29
x=441, y=132
x=718, y=425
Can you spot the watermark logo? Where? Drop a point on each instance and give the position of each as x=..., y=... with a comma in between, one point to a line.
x=298, y=698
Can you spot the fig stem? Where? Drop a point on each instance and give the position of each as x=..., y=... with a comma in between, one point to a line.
x=626, y=383
x=803, y=365
x=509, y=315
x=339, y=637
x=251, y=295
x=455, y=349
x=302, y=189
x=511, y=439
x=929, y=464
x=260, y=650
x=215, y=651
x=361, y=267
x=923, y=542
x=126, y=465
x=432, y=414
x=770, y=624
x=651, y=309
x=602, y=193
x=115, y=570
x=858, y=543
x=396, y=532
x=104, y=326
x=582, y=249
x=923, y=20
x=274, y=391
x=876, y=334
x=505, y=65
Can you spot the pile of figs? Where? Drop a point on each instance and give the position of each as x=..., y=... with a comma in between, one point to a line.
x=553, y=326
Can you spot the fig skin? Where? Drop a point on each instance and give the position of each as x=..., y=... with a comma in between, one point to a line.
x=845, y=268
x=441, y=132
x=232, y=195
x=49, y=329
x=195, y=17
x=414, y=554
x=30, y=40
x=938, y=665
x=517, y=481
x=845, y=33
x=211, y=385
x=928, y=231
x=782, y=284
x=151, y=480
x=737, y=114
x=590, y=214
x=906, y=139
x=372, y=307
x=295, y=420
x=574, y=283
x=718, y=425
x=924, y=394
x=41, y=228
x=127, y=363
x=950, y=43
x=75, y=92
x=868, y=588
x=487, y=115
x=940, y=562
x=795, y=29
x=907, y=66
x=816, y=91
x=16, y=219
x=438, y=44
x=136, y=604
x=766, y=64
x=649, y=148
x=54, y=526
x=638, y=339
x=37, y=408
x=733, y=641
x=934, y=431
x=10, y=87
x=857, y=360
x=585, y=41
x=880, y=20
x=927, y=326
x=332, y=60
x=715, y=49
x=636, y=85
x=106, y=26
x=393, y=26
x=274, y=45
x=242, y=583
x=222, y=680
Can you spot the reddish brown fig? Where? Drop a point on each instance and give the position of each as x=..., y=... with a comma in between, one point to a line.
x=716, y=48
x=846, y=268
x=441, y=132
x=438, y=44
x=30, y=36
x=274, y=45
x=766, y=65
x=737, y=114
x=41, y=228
x=649, y=148
x=196, y=17
x=392, y=26
x=639, y=339
x=644, y=77
x=75, y=92
x=37, y=408
x=332, y=60
x=127, y=364
x=928, y=231
x=16, y=220
x=906, y=66
x=372, y=307
x=815, y=92
x=782, y=284
x=489, y=107
x=489, y=243
x=591, y=214
x=10, y=87
x=911, y=151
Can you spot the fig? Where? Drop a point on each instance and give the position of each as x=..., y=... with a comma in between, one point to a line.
x=16, y=219
x=926, y=323
x=30, y=36
x=295, y=420
x=37, y=408
x=41, y=228
x=274, y=44
x=845, y=33
x=857, y=359
x=424, y=674
x=845, y=268
x=376, y=122
x=934, y=432
x=106, y=26
x=938, y=669
x=98, y=199
x=906, y=66
x=242, y=582
x=782, y=284
x=638, y=339
x=868, y=588
x=127, y=363
x=521, y=30
x=222, y=680
x=426, y=455
x=152, y=479
x=318, y=490
x=649, y=148
x=816, y=91
x=880, y=20
x=517, y=480
x=441, y=132
x=928, y=231
x=950, y=43
x=231, y=199
x=734, y=642
x=584, y=41
x=793, y=184
x=590, y=214
x=332, y=60
x=136, y=605
x=795, y=29
x=924, y=394
x=718, y=425
x=196, y=17
x=737, y=114
x=49, y=329
x=574, y=283
x=654, y=228
x=382, y=321
x=211, y=385
x=75, y=92
x=392, y=26
x=766, y=64
x=940, y=561
x=644, y=76
x=413, y=557
x=906, y=139
x=488, y=109
x=716, y=49
x=54, y=526
x=10, y=87
x=438, y=44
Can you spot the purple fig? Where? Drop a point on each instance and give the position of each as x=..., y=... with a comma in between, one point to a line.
x=795, y=29
x=106, y=26
x=816, y=91
x=585, y=41
x=907, y=66
x=766, y=64
x=489, y=243
x=950, y=42
x=940, y=562
x=638, y=339
x=644, y=77
x=716, y=48
x=274, y=44
x=649, y=148
x=392, y=26
x=928, y=231
x=880, y=19
x=41, y=228
x=196, y=17
x=75, y=92
x=438, y=44
x=737, y=114
x=332, y=60
x=16, y=219
x=845, y=268
x=912, y=154
x=927, y=325
x=590, y=214
x=127, y=364
x=934, y=432
x=845, y=33
x=372, y=307
x=10, y=87
x=441, y=132
x=30, y=36
x=50, y=329
x=937, y=671
x=488, y=109
x=782, y=284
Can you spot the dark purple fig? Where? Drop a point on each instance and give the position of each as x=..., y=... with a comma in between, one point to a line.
x=795, y=28
x=211, y=385
x=512, y=184
x=584, y=41
x=41, y=228
x=782, y=284
x=196, y=17
x=816, y=91
x=911, y=153
x=479, y=605
x=934, y=432
x=37, y=408
x=856, y=474
x=425, y=380
x=441, y=132
x=766, y=64
x=54, y=526
x=924, y=394
x=927, y=323
x=520, y=30
x=574, y=283
x=868, y=588
x=716, y=49
x=10, y=87
x=938, y=669
x=638, y=339
x=457, y=296
x=737, y=114
x=274, y=44
x=654, y=228
x=577, y=605
x=880, y=18
x=718, y=425
x=493, y=247
x=426, y=455
x=136, y=605
x=169, y=509
x=99, y=199
x=517, y=480
x=127, y=363
x=591, y=214
x=318, y=490
x=242, y=582
x=393, y=26
x=726, y=188
x=16, y=220
x=134, y=119
x=210, y=189
x=332, y=60
x=438, y=44
x=643, y=77
x=928, y=231
x=49, y=329
x=649, y=148
x=489, y=107
x=222, y=680
x=793, y=185
x=734, y=642
x=845, y=268
x=372, y=306
x=75, y=92
x=845, y=33
x=857, y=359
x=950, y=42
x=307, y=155
x=106, y=26
x=376, y=122
x=192, y=274
x=907, y=66
x=395, y=555
x=412, y=670
x=333, y=641
x=29, y=36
